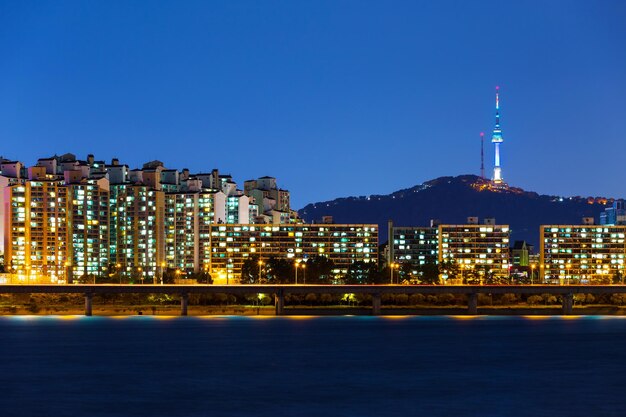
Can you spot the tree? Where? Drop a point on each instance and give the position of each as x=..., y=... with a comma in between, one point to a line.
x=405, y=273
x=169, y=276
x=471, y=276
x=449, y=269
x=136, y=275
x=319, y=270
x=491, y=278
x=311, y=298
x=379, y=275
x=279, y=271
x=359, y=273
x=86, y=279
x=114, y=274
x=250, y=271
x=429, y=273
x=202, y=277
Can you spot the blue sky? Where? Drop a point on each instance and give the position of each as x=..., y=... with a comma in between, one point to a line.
x=334, y=98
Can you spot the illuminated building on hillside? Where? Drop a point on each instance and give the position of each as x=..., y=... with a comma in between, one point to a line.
x=584, y=253
x=615, y=214
x=344, y=244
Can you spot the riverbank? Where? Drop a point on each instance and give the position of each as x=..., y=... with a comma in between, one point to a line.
x=242, y=310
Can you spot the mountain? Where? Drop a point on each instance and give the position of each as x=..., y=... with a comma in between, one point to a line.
x=452, y=199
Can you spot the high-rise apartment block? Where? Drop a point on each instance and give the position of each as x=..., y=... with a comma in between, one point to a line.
x=273, y=203
x=413, y=244
x=55, y=226
x=484, y=247
x=476, y=246
x=88, y=227
x=585, y=253
x=137, y=218
x=65, y=220
x=233, y=244
x=188, y=217
x=36, y=229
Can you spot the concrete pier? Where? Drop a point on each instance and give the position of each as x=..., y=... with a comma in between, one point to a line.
x=376, y=303
x=472, y=304
x=279, y=299
x=568, y=304
x=88, y=304
x=184, y=303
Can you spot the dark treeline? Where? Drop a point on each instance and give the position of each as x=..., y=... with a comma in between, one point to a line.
x=47, y=303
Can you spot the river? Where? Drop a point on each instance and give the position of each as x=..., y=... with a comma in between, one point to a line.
x=312, y=366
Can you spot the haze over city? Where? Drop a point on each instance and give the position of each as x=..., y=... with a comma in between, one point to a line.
x=322, y=97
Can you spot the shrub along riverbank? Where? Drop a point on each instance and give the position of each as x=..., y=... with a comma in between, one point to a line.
x=161, y=304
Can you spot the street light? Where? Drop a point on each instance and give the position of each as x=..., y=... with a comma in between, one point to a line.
x=393, y=266
x=117, y=269
x=260, y=266
x=228, y=270
x=532, y=273
x=297, y=265
x=304, y=272
x=567, y=266
x=140, y=274
x=162, y=271
x=68, y=271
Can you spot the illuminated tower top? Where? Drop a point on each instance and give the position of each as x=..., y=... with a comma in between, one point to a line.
x=496, y=139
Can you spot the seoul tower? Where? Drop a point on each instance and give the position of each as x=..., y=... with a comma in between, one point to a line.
x=496, y=138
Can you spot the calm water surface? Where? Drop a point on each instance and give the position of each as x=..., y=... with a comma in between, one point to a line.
x=324, y=366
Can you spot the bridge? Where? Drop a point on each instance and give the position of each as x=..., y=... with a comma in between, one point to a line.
x=566, y=292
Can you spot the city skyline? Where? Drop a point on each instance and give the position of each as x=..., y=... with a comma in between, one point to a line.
x=349, y=80
x=289, y=208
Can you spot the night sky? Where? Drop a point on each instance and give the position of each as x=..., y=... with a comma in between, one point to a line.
x=334, y=98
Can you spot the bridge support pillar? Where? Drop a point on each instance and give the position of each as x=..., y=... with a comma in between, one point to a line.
x=376, y=304
x=279, y=301
x=472, y=304
x=184, y=303
x=88, y=304
x=568, y=304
